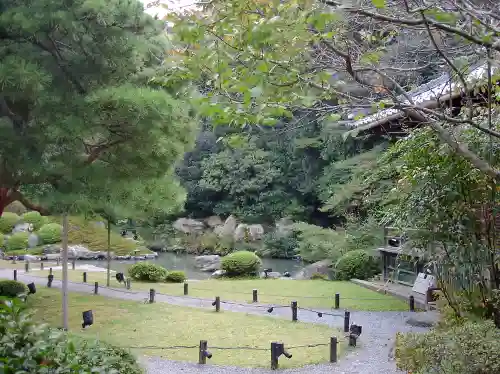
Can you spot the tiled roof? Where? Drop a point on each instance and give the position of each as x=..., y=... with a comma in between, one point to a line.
x=424, y=95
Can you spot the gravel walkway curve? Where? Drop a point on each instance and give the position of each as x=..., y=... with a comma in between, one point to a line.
x=372, y=356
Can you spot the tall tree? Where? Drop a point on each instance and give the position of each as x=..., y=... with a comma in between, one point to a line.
x=76, y=110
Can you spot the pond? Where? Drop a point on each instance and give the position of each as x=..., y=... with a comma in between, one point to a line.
x=172, y=261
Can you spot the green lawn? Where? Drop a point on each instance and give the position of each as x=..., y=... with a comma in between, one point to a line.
x=129, y=323
x=308, y=293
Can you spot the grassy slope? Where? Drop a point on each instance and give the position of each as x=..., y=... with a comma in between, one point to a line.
x=308, y=293
x=92, y=236
x=128, y=323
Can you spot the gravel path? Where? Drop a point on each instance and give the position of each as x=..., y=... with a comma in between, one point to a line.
x=372, y=356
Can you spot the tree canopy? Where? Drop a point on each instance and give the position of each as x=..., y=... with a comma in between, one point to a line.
x=78, y=116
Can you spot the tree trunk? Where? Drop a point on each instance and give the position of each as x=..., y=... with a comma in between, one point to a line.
x=5, y=198
x=108, y=278
x=65, y=271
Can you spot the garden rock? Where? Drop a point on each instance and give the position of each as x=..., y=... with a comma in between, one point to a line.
x=30, y=258
x=284, y=226
x=271, y=275
x=213, y=221
x=22, y=227
x=51, y=249
x=321, y=267
x=427, y=320
x=188, y=225
x=151, y=256
x=208, y=263
x=218, y=274
x=228, y=228
x=33, y=240
x=255, y=232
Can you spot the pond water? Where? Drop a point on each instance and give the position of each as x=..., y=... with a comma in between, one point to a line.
x=172, y=261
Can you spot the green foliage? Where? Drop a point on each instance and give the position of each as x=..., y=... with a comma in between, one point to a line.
x=147, y=272
x=319, y=276
x=50, y=233
x=241, y=263
x=175, y=276
x=279, y=246
x=470, y=348
x=2, y=240
x=17, y=241
x=8, y=221
x=317, y=243
x=35, y=218
x=45, y=350
x=12, y=288
x=356, y=264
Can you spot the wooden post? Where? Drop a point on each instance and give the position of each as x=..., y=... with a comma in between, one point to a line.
x=73, y=264
x=337, y=301
x=84, y=277
x=202, y=359
x=333, y=349
x=127, y=283
x=294, y=311
x=41, y=265
x=57, y=261
x=50, y=271
x=27, y=266
x=96, y=288
x=347, y=317
x=412, y=303
x=255, y=297
x=186, y=288
x=50, y=278
x=276, y=349
x=15, y=274
x=217, y=304
x=152, y=294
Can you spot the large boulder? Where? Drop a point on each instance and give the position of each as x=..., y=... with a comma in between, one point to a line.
x=321, y=267
x=255, y=232
x=228, y=228
x=33, y=240
x=218, y=274
x=51, y=249
x=188, y=225
x=208, y=263
x=271, y=275
x=22, y=227
x=213, y=221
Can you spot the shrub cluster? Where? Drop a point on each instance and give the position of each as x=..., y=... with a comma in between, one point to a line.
x=8, y=221
x=356, y=264
x=175, y=276
x=17, y=241
x=241, y=263
x=147, y=272
x=471, y=347
x=35, y=218
x=11, y=288
x=49, y=351
x=50, y=233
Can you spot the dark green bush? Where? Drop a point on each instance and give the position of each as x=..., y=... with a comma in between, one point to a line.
x=2, y=240
x=175, y=276
x=147, y=272
x=50, y=233
x=8, y=221
x=470, y=348
x=35, y=218
x=11, y=288
x=38, y=349
x=356, y=264
x=17, y=241
x=241, y=263
x=280, y=246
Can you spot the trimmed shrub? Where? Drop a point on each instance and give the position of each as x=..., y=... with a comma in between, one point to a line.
x=35, y=218
x=11, y=288
x=8, y=221
x=241, y=263
x=470, y=348
x=50, y=233
x=355, y=264
x=147, y=272
x=17, y=241
x=175, y=276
